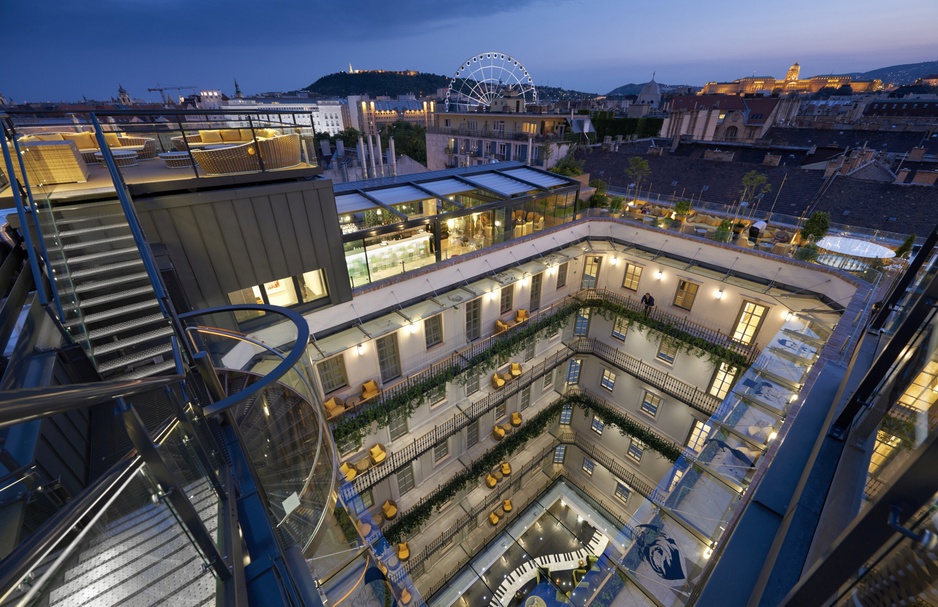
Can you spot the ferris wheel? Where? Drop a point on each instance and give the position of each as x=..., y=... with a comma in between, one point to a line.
x=485, y=77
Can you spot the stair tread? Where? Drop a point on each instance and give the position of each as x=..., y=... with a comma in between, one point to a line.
x=106, y=268
x=99, y=316
x=98, y=228
x=84, y=206
x=109, y=282
x=96, y=256
x=148, y=370
x=139, y=338
x=125, y=326
x=134, y=357
x=91, y=243
x=110, y=297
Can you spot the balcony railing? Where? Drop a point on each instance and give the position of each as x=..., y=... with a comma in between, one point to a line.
x=494, y=134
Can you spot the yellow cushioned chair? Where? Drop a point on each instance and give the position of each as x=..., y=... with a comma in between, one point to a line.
x=334, y=407
x=370, y=390
x=506, y=469
x=497, y=381
x=521, y=316
x=500, y=327
x=405, y=597
x=347, y=471
x=493, y=518
x=498, y=432
x=506, y=506
x=389, y=510
x=377, y=454
x=516, y=369
x=490, y=480
x=403, y=551
x=516, y=419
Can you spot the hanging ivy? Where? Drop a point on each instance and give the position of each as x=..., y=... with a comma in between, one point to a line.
x=352, y=429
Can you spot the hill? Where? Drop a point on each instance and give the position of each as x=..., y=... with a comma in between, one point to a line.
x=899, y=74
x=634, y=89
x=374, y=84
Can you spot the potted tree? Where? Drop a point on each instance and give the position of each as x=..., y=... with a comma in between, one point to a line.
x=681, y=211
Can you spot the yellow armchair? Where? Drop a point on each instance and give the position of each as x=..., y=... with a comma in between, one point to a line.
x=506, y=469
x=498, y=432
x=370, y=390
x=405, y=597
x=377, y=454
x=348, y=471
x=335, y=407
x=403, y=551
x=506, y=506
x=516, y=419
x=500, y=327
x=389, y=510
x=497, y=381
x=516, y=369
x=521, y=315
x=490, y=480
x=493, y=518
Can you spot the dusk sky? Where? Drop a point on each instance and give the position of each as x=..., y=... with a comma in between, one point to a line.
x=63, y=50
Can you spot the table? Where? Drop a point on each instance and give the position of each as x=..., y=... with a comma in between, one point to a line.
x=176, y=160
x=122, y=158
x=766, y=245
x=352, y=401
x=362, y=464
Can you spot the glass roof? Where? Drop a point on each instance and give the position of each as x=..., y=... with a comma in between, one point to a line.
x=499, y=184
x=353, y=203
x=399, y=195
x=537, y=177
x=446, y=187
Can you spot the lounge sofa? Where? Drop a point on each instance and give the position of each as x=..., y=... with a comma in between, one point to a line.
x=221, y=137
x=87, y=143
x=51, y=162
x=276, y=153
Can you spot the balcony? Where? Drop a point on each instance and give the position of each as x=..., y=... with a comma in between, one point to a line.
x=494, y=134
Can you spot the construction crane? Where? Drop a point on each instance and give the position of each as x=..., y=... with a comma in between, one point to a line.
x=162, y=88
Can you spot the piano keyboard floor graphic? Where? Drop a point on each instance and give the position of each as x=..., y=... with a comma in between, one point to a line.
x=526, y=572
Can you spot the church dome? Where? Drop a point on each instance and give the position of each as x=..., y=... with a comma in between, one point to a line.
x=651, y=94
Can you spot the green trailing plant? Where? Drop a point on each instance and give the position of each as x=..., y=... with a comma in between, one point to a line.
x=410, y=521
x=345, y=524
x=808, y=252
x=406, y=401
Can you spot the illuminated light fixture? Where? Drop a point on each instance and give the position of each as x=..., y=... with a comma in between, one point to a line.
x=498, y=223
x=789, y=316
x=413, y=327
x=720, y=294
x=614, y=260
x=772, y=436
x=492, y=295
x=361, y=349
x=266, y=411
x=551, y=270
x=793, y=398
x=659, y=274
x=708, y=552
x=379, y=211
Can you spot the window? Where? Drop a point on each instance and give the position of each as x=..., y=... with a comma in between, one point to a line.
x=562, y=275
x=566, y=413
x=723, y=380
x=473, y=319
x=622, y=491
x=573, y=370
x=667, y=350
x=405, y=479
x=472, y=383
x=433, y=330
x=436, y=395
x=597, y=425
x=500, y=411
x=588, y=465
x=472, y=434
x=548, y=382
x=620, y=328
x=636, y=449
x=590, y=272
x=440, y=451
x=536, y=282
x=389, y=357
x=525, y=400
x=609, y=380
x=747, y=325
x=650, y=403
x=686, y=292
x=398, y=425
x=332, y=373
x=559, y=452
x=698, y=435
x=582, y=324
x=675, y=479
x=508, y=299
x=368, y=499
x=313, y=285
x=633, y=274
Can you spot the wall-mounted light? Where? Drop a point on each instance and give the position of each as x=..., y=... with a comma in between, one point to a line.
x=413, y=327
x=614, y=260
x=708, y=552
x=492, y=295
x=789, y=316
x=772, y=436
x=551, y=269
x=361, y=349
x=659, y=274
x=498, y=224
x=720, y=294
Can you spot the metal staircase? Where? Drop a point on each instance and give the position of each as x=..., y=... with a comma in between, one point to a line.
x=107, y=300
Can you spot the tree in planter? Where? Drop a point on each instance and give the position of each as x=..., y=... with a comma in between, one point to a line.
x=816, y=227
x=637, y=172
x=615, y=204
x=723, y=231
x=807, y=252
x=755, y=185
x=905, y=247
x=681, y=211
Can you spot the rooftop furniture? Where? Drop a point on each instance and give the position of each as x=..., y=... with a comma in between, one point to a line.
x=506, y=469
x=498, y=432
x=521, y=315
x=87, y=143
x=122, y=158
x=506, y=505
x=176, y=160
x=493, y=518
x=490, y=481
x=389, y=509
x=403, y=551
x=516, y=369
x=516, y=419
x=334, y=407
x=370, y=390
x=277, y=153
x=501, y=327
x=497, y=381
x=207, y=137
x=51, y=162
x=347, y=471
x=363, y=464
x=405, y=597
x=377, y=454
x=507, y=428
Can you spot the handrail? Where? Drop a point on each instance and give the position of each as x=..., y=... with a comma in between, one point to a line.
x=297, y=352
x=28, y=404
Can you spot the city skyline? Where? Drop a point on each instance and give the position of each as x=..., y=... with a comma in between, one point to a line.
x=139, y=44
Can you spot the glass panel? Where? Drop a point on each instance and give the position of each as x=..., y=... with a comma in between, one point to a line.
x=591, y=272
x=633, y=275
x=389, y=357
x=433, y=330
x=536, y=282
x=473, y=319
x=281, y=292
x=686, y=292
x=313, y=285
x=750, y=317
x=562, y=275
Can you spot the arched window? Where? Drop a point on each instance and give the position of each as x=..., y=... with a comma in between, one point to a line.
x=730, y=133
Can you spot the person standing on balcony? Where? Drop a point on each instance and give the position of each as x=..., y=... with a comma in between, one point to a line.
x=649, y=302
